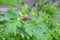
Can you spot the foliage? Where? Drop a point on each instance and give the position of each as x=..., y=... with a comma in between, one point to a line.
x=43, y=25
x=9, y=2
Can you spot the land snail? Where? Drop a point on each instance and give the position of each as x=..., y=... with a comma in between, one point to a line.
x=25, y=18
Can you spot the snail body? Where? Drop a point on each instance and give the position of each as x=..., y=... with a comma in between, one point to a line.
x=26, y=17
